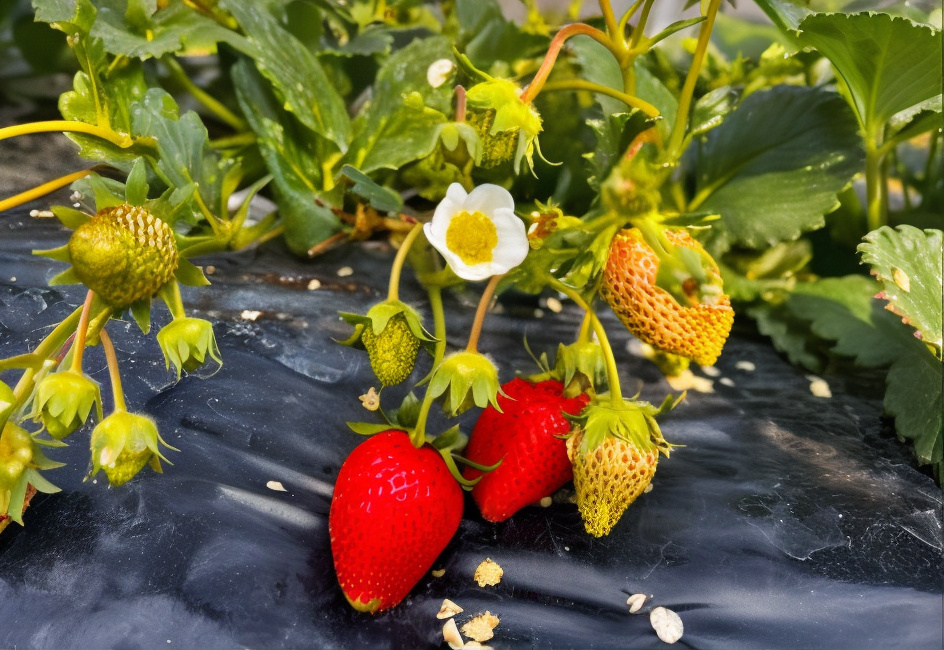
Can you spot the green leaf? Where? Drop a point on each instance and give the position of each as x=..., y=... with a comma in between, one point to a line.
x=614, y=134
x=369, y=429
x=888, y=64
x=141, y=312
x=380, y=198
x=399, y=125
x=598, y=66
x=842, y=310
x=789, y=335
x=908, y=263
x=139, y=29
x=295, y=73
x=183, y=144
x=784, y=14
x=292, y=154
x=771, y=178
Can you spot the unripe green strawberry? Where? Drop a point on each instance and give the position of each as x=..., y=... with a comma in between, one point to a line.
x=608, y=478
x=16, y=453
x=123, y=254
x=496, y=147
x=392, y=351
x=695, y=331
x=122, y=444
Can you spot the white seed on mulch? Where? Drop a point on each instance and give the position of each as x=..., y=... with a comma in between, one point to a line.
x=635, y=602
x=451, y=635
x=345, y=271
x=667, y=624
x=314, y=284
x=276, y=485
x=819, y=387
x=448, y=609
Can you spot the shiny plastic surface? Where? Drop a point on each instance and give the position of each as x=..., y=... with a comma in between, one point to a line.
x=786, y=520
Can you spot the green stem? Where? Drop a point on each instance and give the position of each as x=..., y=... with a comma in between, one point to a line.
x=232, y=141
x=640, y=29
x=674, y=148
x=170, y=293
x=439, y=323
x=122, y=140
x=81, y=333
x=585, y=325
x=612, y=27
x=480, y=312
x=626, y=98
x=875, y=189
x=205, y=98
x=418, y=434
x=574, y=29
x=628, y=15
x=396, y=270
x=612, y=372
x=113, y=374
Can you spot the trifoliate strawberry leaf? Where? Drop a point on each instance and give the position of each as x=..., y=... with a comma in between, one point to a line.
x=143, y=29
x=841, y=310
x=888, y=64
x=292, y=154
x=400, y=124
x=908, y=263
x=771, y=178
x=296, y=75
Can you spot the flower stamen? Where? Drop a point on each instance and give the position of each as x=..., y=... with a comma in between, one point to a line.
x=472, y=236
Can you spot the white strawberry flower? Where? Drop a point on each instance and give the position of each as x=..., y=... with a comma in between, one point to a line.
x=477, y=232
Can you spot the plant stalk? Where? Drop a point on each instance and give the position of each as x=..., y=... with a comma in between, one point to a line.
x=122, y=140
x=480, y=312
x=42, y=190
x=112, y=359
x=396, y=270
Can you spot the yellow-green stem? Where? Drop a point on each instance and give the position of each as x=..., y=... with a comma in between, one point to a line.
x=628, y=15
x=112, y=359
x=565, y=32
x=581, y=84
x=609, y=18
x=42, y=190
x=46, y=349
x=232, y=141
x=639, y=31
x=81, y=333
x=875, y=190
x=585, y=326
x=122, y=140
x=211, y=103
x=612, y=372
x=673, y=150
x=396, y=270
x=439, y=323
x=172, y=298
x=480, y=312
x=418, y=435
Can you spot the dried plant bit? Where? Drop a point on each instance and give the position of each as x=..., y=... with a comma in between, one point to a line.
x=276, y=485
x=481, y=627
x=438, y=573
x=546, y=502
x=819, y=387
x=635, y=602
x=448, y=609
x=370, y=400
x=667, y=624
x=488, y=573
x=451, y=635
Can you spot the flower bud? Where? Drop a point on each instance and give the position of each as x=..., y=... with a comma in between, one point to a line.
x=186, y=342
x=64, y=401
x=122, y=444
x=470, y=378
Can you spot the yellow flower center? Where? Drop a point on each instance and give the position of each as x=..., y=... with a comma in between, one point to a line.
x=472, y=236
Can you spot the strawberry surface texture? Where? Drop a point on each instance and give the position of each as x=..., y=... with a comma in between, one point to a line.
x=524, y=436
x=394, y=510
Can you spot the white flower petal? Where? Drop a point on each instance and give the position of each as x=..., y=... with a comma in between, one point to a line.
x=488, y=198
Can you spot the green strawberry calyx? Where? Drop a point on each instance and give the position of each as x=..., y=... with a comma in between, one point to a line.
x=630, y=420
x=21, y=458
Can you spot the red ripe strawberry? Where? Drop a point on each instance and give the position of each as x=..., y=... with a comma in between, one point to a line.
x=394, y=510
x=524, y=437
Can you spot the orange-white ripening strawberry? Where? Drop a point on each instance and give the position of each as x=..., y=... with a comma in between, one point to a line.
x=695, y=331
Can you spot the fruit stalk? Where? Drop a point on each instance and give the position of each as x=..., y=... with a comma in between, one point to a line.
x=42, y=190
x=122, y=140
x=481, y=310
x=111, y=358
x=396, y=270
x=81, y=334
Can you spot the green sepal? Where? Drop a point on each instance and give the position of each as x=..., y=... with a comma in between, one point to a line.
x=35, y=479
x=141, y=312
x=66, y=277
x=190, y=274
x=136, y=187
x=581, y=367
x=354, y=340
x=70, y=217
x=369, y=428
x=451, y=439
x=60, y=254
x=20, y=362
x=407, y=415
x=40, y=460
x=465, y=64
x=445, y=443
x=105, y=196
x=629, y=420
x=470, y=378
x=17, y=499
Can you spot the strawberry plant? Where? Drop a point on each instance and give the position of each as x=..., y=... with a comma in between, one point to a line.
x=706, y=174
